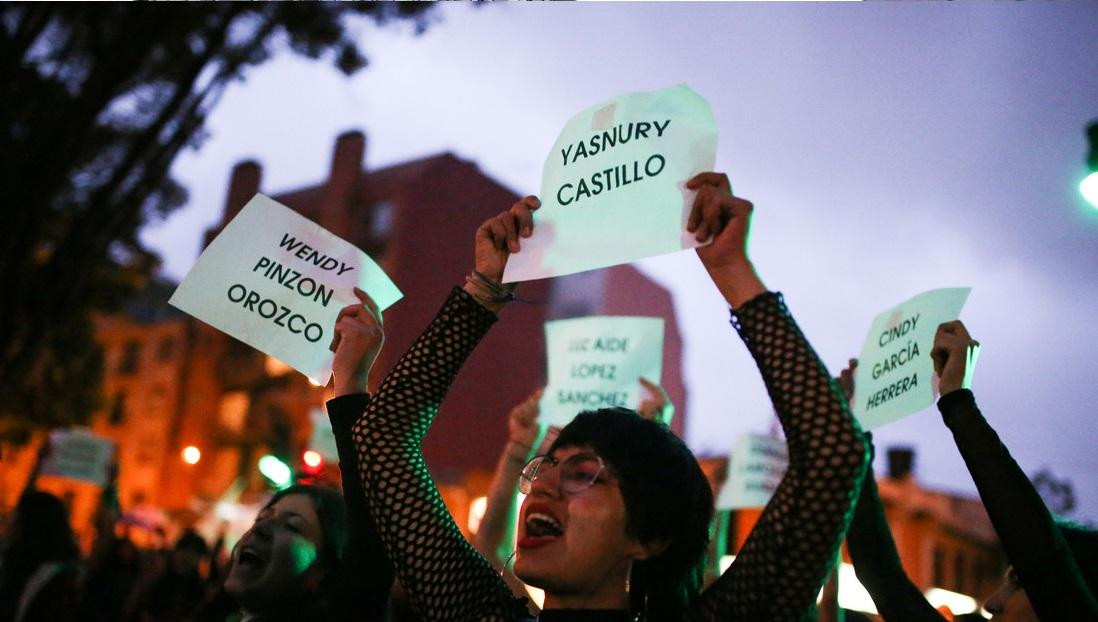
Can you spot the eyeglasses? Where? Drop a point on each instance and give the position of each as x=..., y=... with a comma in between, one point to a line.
x=577, y=472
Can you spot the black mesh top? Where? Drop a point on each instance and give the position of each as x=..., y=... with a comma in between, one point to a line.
x=776, y=575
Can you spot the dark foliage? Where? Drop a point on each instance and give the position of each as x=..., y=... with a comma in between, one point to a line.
x=99, y=99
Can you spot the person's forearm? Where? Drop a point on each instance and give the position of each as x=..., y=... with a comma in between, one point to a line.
x=737, y=283
x=367, y=573
x=497, y=526
x=1033, y=544
x=827, y=455
x=444, y=577
x=877, y=562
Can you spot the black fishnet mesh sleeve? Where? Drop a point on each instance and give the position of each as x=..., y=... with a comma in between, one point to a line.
x=778, y=572
x=445, y=578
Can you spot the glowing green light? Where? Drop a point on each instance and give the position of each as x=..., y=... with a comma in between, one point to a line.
x=1089, y=188
x=302, y=553
x=275, y=470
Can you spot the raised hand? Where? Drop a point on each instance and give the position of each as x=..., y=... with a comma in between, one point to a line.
x=500, y=236
x=846, y=379
x=357, y=342
x=727, y=219
x=657, y=406
x=954, y=354
x=522, y=423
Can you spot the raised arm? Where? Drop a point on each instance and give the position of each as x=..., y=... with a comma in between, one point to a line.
x=366, y=574
x=443, y=575
x=877, y=562
x=872, y=549
x=792, y=548
x=494, y=537
x=1044, y=564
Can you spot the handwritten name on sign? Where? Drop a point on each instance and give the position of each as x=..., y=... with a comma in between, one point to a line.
x=276, y=281
x=597, y=362
x=894, y=377
x=613, y=185
x=80, y=455
x=755, y=470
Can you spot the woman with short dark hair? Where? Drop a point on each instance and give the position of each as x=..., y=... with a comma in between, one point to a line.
x=600, y=544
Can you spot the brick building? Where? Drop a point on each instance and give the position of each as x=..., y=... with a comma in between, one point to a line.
x=172, y=381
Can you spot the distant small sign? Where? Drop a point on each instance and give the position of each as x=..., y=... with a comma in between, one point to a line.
x=80, y=455
x=755, y=470
x=597, y=362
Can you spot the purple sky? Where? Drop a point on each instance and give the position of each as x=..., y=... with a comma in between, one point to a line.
x=889, y=149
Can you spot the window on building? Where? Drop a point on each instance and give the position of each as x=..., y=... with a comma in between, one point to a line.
x=117, y=413
x=233, y=411
x=165, y=350
x=130, y=354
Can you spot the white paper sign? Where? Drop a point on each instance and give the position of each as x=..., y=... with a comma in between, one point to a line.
x=596, y=362
x=755, y=470
x=613, y=186
x=276, y=281
x=80, y=455
x=895, y=371
x=323, y=438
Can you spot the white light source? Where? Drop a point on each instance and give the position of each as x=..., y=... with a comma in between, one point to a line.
x=476, y=513
x=957, y=603
x=852, y=594
x=1089, y=188
x=191, y=454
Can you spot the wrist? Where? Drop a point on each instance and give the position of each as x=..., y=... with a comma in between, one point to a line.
x=737, y=281
x=488, y=291
x=517, y=451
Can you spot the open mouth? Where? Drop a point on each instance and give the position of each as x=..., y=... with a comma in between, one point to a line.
x=541, y=527
x=249, y=558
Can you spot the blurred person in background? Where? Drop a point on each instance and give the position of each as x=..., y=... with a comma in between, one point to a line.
x=40, y=563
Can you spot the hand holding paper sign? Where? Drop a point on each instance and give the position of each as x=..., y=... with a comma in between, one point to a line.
x=496, y=239
x=955, y=354
x=357, y=342
x=846, y=379
x=612, y=183
x=727, y=219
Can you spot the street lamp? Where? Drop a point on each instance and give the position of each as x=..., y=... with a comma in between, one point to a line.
x=191, y=454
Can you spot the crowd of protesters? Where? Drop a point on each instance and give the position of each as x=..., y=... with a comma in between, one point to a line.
x=616, y=518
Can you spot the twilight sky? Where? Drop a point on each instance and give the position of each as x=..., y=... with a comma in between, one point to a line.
x=888, y=148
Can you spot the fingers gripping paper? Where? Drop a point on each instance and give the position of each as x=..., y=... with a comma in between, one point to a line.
x=276, y=281
x=613, y=186
x=597, y=362
x=895, y=372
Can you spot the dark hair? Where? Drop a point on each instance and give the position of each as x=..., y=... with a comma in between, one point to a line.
x=331, y=511
x=191, y=540
x=667, y=497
